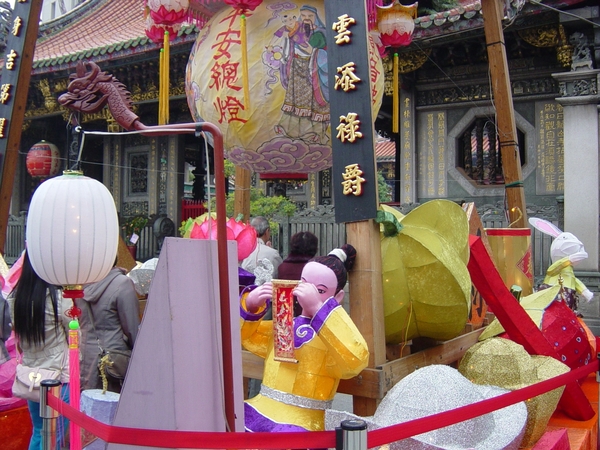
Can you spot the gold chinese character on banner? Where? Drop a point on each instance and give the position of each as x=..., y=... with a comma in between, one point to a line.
x=343, y=36
x=348, y=128
x=5, y=92
x=2, y=126
x=16, y=29
x=10, y=60
x=347, y=78
x=353, y=181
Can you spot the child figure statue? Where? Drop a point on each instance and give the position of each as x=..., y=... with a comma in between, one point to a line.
x=566, y=251
x=328, y=347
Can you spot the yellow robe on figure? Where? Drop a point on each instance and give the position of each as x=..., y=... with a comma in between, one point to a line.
x=294, y=396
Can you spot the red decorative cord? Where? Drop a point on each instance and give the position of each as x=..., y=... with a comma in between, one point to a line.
x=316, y=439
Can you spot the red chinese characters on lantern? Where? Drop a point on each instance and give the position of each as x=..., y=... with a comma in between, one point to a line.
x=374, y=64
x=224, y=73
x=229, y=109
x=43, y=160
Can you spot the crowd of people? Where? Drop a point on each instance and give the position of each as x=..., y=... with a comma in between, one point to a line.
x=38, y=314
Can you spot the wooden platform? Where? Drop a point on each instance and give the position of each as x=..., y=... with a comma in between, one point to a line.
x=374, y=383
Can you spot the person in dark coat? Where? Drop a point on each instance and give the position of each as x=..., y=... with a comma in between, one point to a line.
x=113, y=305
x=303, y=247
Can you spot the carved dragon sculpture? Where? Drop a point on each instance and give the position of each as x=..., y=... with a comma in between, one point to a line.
x=90, y=90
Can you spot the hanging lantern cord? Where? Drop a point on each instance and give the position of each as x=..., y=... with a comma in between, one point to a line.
x=76, y=148
x=76, y=144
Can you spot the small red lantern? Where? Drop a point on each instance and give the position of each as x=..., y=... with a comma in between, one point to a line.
x=43, y=160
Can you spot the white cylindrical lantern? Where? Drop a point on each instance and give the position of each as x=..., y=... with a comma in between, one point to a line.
x=72, y=230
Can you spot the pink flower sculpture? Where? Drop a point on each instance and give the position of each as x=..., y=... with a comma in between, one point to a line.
x=396, y=39
x=245, y=235
x=244, y=5
x=156, y=32
x=168, y=12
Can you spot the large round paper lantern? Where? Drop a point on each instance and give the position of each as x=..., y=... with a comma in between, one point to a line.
x=43, y=160
x=285, y=124
x=72, y=230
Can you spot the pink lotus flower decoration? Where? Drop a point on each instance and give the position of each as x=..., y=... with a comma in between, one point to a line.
x=245, y=235
x=156, y=32
x=396, y=39
x=168, y=12
x=244, y=5
x=395, y=23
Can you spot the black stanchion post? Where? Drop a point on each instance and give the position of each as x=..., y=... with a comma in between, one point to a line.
x=354, y=435
x=49, y=416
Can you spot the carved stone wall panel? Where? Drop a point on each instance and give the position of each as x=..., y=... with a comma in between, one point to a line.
x=480, y=91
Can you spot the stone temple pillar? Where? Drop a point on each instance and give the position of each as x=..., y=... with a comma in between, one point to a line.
x=579, y=98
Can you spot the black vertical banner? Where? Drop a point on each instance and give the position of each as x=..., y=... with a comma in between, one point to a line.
x=14, y=85
x=354, y=174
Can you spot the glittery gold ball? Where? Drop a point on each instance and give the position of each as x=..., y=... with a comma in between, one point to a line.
x=501, y=362
x=498, y=362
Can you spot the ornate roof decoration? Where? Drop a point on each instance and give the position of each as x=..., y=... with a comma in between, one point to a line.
x=99, y=30
x=466, y=16
x=111, y=29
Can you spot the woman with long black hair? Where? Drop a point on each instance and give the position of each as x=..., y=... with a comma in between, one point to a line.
x=41, y=327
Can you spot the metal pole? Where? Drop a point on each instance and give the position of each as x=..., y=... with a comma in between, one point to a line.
x=49, y=416
x=352, y=434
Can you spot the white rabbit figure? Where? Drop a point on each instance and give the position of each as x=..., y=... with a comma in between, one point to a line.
x=566, y=250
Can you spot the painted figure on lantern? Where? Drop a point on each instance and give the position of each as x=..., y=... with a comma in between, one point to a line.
x=303, y=72
x=283, y=124
x=325, y=343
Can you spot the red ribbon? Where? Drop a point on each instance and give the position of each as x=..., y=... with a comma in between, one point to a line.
x=315, y=439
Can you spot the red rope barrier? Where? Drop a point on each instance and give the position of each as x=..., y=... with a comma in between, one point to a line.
x=316, y=439
x=424, y=424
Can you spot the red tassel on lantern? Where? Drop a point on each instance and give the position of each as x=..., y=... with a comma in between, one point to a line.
x=74, y=382
x=74, y=385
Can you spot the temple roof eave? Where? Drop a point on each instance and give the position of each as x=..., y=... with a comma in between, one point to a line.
x=57, y=47
x=113, y=52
